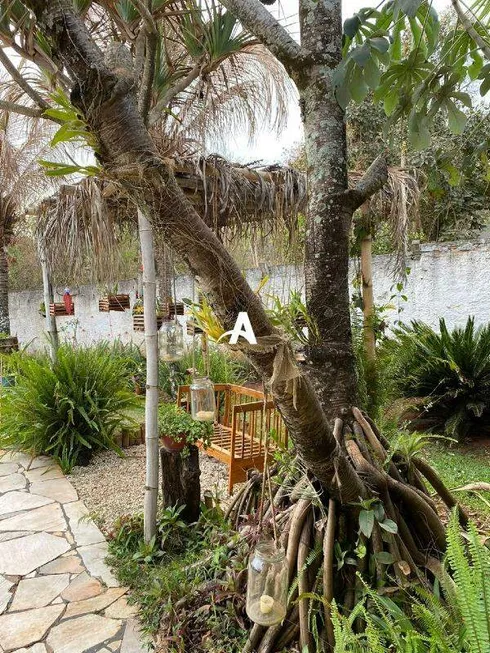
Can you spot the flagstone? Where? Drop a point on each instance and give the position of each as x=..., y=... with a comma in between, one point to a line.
x=17, y=501
x=121, y=610
x=83, y=529
x=12, y=482
x=132, y=642
x=5, y=594
x=59, y=489
x=82, y=633
x=38, y=592
x=70, y=565
x=24, y=554
x=93, y=557
x=44, y=474
x=37, y=648
x=41, y=461
x=8, y=468
x=24, y=628
x=95, y=604
x=16, y=457
x=47, y=518
x=83, y=587
x=11, y=535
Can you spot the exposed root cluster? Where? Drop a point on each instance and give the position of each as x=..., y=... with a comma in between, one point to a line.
x=327, y=554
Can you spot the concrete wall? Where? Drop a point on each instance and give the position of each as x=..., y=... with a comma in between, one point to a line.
x=450, y=280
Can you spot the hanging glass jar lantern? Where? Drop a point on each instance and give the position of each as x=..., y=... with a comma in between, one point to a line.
x=171, y=341
x=203, y=401
x=267, y=588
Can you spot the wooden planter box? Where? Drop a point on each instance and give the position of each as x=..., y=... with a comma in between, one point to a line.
x=58, y=309
x=114, y=303
x=131, y=436
x=139, y=322
x=171, y=309
x=193, y=330
x=8, y=345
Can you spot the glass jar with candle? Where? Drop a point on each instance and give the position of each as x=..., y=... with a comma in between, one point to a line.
x=267, y=588
x=203, y=401
x=171, y=341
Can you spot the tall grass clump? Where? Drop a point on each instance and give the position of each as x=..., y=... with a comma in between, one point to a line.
x=68, y=409
x=449, y=371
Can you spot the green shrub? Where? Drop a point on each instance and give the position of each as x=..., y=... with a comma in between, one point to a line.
x=449, y=370
x=68, y=409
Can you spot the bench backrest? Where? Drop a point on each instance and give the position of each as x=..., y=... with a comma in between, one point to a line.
x=242, y=410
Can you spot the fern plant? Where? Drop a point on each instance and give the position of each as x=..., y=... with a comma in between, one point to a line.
x=454, y=619
x=68, y=409
x=450, y=370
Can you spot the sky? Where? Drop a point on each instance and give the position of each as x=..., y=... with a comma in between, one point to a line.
x=268, y=146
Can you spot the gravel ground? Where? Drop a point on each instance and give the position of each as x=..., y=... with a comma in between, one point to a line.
x=111, y=486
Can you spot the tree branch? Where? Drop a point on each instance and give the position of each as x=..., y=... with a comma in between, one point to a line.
x=21, y=109
x=470, y=28
x=261, y=23
x=19, y=79
x=372, y=180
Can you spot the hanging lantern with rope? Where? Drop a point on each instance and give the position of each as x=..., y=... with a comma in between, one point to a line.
x=171, y=341
x=203, y=400
x=267, y=584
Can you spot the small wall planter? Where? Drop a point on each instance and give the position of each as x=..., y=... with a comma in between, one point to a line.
x=118, y=303
x=59, y=309
x=193, y=330
x=173, y=308
x=9, y=344
x=139, y=322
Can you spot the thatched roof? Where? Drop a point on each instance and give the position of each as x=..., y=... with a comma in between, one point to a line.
x=81, y=221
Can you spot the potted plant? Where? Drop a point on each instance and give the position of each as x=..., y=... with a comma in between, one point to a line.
x=113, y=301
x=178, y=430
x=139, y=317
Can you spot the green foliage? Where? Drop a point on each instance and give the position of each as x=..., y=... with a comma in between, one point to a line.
x=224, y=367
x=292, y=317
x=453, y=619
x=68, y=409
x=179, y=425
x=190, y=592
x=449, y=370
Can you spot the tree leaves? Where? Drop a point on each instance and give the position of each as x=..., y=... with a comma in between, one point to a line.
x=366, y=522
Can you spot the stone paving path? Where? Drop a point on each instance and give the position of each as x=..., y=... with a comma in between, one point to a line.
x=57, y=595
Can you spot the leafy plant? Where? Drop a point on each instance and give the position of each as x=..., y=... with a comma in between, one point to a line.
x=293, y=317
x=453, y=619
x=449, y=370
x=179, y=425
x=172, y=528
x=68, y=409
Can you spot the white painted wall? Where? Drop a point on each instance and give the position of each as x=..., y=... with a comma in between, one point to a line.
x=450, y=280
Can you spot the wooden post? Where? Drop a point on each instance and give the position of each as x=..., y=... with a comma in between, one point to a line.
x=151, y=401
x=48, y=296
x=182, y=485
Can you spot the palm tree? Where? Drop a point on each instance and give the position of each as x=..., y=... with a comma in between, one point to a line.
x=22, y=141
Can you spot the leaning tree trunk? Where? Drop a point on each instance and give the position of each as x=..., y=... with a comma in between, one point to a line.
x=151, y=397
x=4, y=289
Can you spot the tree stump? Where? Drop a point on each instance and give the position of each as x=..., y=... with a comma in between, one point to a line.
x=180, y=482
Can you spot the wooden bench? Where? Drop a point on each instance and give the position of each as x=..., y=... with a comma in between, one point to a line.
x=238, y=437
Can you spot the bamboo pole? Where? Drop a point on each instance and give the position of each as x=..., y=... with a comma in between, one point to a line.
x=48, y=297
x=367, y=289
x=151, y=401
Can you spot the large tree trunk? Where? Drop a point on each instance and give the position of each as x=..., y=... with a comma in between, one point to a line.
x=180, y=482
x=4, y=289
x=331, y=359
